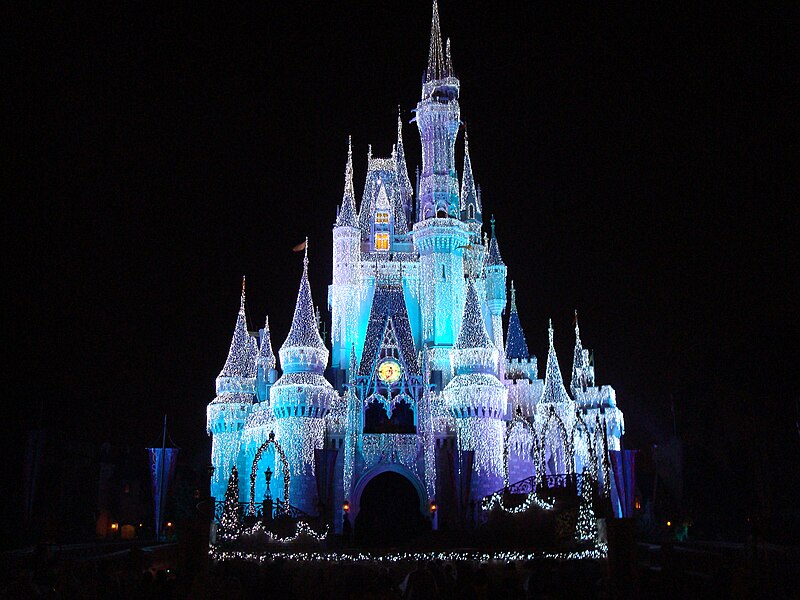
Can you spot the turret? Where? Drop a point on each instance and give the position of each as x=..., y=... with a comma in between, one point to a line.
x=343, y=295
x=580, y=366
x=236, y=388
x=555, y=415
x=301, y=397
x=477, y=399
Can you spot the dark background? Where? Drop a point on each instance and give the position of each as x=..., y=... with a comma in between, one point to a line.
x=637, y=160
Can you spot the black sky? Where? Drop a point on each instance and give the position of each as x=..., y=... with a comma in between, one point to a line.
x=637, y=160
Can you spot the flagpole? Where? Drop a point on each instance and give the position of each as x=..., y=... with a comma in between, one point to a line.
x=161, y=480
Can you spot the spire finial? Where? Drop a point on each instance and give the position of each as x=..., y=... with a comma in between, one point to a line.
x=241, y=302
x=550, y=332
x=577, y=328
x=492, y=221
x=305, y=258
x=435, y=59
x=399, y=127
x=369, y=157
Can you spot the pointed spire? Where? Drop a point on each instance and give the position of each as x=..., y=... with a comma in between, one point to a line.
x=468, y=190
x=266, y=357
x=435, y=59
x=241, y=361
x=553, y=391
x=494, y=258
x=448, y=60
x=304, y=332
x=473, y=332
x=516, y=346
x=400, y=162
x=578, y=382
x=348, y=217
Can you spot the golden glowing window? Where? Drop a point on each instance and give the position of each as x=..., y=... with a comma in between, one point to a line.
x=381, y=241
x=382, y=217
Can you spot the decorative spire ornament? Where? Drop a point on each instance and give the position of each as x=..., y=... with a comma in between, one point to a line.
x=494, y=258
x=469, y=195
x=266, y=357
x=578, y=381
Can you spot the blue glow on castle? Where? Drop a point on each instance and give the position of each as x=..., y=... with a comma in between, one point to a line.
x=420, y=377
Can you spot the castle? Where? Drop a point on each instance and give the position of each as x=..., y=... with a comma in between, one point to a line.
x=423, y=381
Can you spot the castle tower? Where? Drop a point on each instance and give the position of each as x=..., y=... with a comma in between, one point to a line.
x=477, y=399
x=226, y=414
x=346, y=289
x=439, y=235
x=301, y=397
x=554, y=417
x=496, y=271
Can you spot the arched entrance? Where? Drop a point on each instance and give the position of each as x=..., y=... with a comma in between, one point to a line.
x=389, y=510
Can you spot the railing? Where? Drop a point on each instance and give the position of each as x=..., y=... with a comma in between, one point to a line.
x=279, y=509
x=533, y=483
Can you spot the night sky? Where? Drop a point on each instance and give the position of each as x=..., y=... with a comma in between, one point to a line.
x=637, y=161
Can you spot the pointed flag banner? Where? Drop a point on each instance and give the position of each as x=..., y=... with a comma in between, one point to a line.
x=623, y=463
x=300, y=247
x=162, y=471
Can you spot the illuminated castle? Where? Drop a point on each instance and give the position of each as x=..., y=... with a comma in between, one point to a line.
x=422, y=381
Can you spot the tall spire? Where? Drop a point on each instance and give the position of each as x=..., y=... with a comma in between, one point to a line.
x=448, y=60
x=469, y=194
x=241, y=361
x=553, y=391
x=304, y=334
x=266, y=357
x=494, y=251
x=435, y=59
x=579, y=362
x=473, y=332
x=348, y=216
x=516, y=346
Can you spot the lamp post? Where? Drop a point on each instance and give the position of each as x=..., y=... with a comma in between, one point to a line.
x=267, y=516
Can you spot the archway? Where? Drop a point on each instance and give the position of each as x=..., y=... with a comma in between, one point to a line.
x=389, y=511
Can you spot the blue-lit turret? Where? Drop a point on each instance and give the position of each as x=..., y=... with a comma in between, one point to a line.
x=477, y=399
x=236, y=389
x=301, y=397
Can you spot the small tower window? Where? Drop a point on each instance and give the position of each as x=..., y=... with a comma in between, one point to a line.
x=381, y=217
x=471, y=212
x=381, y=241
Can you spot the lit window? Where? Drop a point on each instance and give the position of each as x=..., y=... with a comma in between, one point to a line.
x=382, y=217
x=381, y=241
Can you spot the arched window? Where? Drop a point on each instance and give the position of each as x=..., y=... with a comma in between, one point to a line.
x=471, y=212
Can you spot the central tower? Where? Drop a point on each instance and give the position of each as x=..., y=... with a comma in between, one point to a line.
x=439, y=234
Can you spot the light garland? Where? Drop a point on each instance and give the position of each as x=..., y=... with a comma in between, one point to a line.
x=598, y=552
x=586, y=526
x=531, y=499
x=285, y=471
x=301, y=529
x=230, y=522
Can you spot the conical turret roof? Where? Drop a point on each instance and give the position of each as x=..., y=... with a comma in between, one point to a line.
x=241, y=361
x=553, y=391
x=266, y=357
x=469, y=193
x=578, y=361
x=473, y=332
x=494, y=259
x=516, y=346
x=304, y=332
